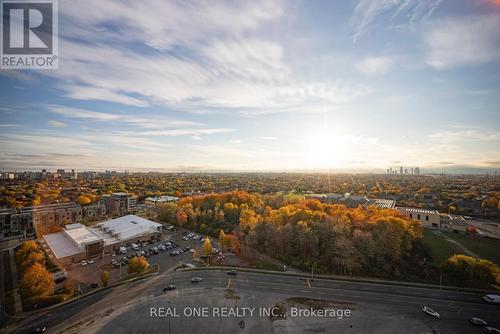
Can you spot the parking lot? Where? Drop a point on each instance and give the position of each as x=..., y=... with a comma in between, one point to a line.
x=173, y=248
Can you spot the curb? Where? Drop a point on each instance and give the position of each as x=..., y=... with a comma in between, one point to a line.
x=100, y=289
x=350, y=279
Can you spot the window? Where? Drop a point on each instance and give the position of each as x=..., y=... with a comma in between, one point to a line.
x=411, y=215
x=418, y=216
x=426, y=218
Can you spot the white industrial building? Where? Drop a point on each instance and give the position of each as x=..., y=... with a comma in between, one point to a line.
x=153, y=201
x=428, y=218
x=78, y=242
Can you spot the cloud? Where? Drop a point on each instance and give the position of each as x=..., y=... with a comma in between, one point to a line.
x=149, y=122
x=467, y=134
x=268, y=138
x=56, y=124
x=189, y=57
x=458, y=41
x=367, y=12
x=374, y=65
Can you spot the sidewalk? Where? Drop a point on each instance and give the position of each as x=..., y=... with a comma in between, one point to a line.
x=18, y=307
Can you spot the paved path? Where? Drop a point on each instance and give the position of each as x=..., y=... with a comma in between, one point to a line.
x=464, y=249
x=18, y=307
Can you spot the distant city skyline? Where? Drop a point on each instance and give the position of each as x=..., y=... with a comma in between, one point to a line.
x=336, y=86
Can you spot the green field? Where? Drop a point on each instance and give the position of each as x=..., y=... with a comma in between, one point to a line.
x=486, y=248
x=439, y=248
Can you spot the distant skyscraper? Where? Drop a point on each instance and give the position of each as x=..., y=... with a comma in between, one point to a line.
x=401, y=170
x=417, y=170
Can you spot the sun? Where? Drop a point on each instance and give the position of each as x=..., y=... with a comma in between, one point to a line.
x=324, y=150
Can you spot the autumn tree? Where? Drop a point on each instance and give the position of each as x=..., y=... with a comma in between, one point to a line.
x=84, y=200
x=207, y=247
x=137, y=265
x=105, y=278
x=69, y=289
x=181, y=217
x=34, y=257
x=468, y=271
x=25, y=249
x=222, y=239
x=167, y=212
x=37, y=281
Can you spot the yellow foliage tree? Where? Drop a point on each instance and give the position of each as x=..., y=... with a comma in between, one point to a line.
x=105, y=278
x=32, y=258
x=137, y=265
x=25, y=249
x=222, y=239
x=84, y=200
x=37, y=281
x=207, y=247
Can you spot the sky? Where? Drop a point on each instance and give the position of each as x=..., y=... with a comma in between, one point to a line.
x=261, y=85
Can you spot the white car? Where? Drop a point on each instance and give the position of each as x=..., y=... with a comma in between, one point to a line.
x=430, y=311
x=478, y=322
x=84, y=263
x=90, y=261
x=196, y=280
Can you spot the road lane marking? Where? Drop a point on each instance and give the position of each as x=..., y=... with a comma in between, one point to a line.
x=308, y=283
x=228, y=284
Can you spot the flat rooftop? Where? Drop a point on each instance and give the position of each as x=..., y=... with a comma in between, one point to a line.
x=82, y=235
x=417, y=210
x=129, y=226
x=60, y=245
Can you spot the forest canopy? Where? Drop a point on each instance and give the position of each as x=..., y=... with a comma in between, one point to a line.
x=305, y=233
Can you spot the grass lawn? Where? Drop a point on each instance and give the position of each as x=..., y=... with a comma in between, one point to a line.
x=484, y=247
x=265, y=265
x=439, y=248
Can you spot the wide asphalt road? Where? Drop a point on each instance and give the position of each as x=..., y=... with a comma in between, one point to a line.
x=453, y=306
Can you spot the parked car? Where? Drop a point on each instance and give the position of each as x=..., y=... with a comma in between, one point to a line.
x=233, y=273
x=491, y=330
x=185, y=238
x=191, y=250
x=431, y=312
x=83, y=263
x=94, y=285
x=169, y=287
x=90, y=261
x=58, y=291
x=478, y=322
x=196, y=280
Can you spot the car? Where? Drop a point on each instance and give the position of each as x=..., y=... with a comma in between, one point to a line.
x=233, y=273
x=40, y=329
x=116, y=265
x=94, y=285
x=185, y=238
x=196, y=280
x=494, y=299
x=191, y=250
x=58, y=291
x=90, y=261
x=169, y=287
x=113, y=261
x=83, y=263
x=478, y=322
x=172, y=253
x=491, y=330
x=431, y=312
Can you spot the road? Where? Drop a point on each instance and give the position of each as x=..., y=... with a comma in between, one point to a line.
x=126, y=308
